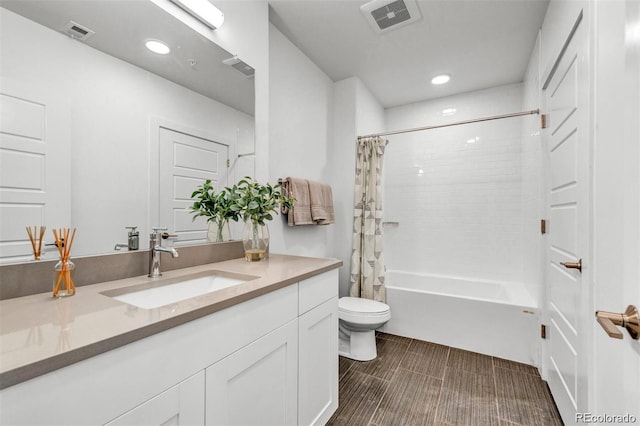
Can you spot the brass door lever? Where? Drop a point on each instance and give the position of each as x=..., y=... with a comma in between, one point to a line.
x=628, y=319
x=573, y=265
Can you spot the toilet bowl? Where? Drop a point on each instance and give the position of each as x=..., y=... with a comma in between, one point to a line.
x=359, y=319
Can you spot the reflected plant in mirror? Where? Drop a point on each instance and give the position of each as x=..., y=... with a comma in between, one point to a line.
x=216, y=208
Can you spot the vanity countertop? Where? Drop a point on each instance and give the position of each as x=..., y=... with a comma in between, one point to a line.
x=39, y=334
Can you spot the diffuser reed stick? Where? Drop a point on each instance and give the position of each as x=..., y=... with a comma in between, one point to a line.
x=36, y=237
x=42, y=229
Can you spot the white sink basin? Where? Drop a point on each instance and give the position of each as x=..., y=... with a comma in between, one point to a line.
x=171, y=290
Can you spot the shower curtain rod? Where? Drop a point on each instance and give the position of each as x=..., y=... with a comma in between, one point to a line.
x=476, y=120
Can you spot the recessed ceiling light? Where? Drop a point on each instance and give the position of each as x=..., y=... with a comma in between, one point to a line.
x=157, y=46
x=449, y=111
x=204, y=11
x=440, y=79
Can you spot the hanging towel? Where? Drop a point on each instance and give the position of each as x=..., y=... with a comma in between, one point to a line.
x=300, y=213
x=321, y=200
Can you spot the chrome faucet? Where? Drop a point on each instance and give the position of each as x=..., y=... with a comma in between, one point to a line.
x=155, y=248
x=132, y=240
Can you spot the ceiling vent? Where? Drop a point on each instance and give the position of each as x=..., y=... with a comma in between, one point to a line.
x=77, y=31
x=241, y=66
x=387, y=15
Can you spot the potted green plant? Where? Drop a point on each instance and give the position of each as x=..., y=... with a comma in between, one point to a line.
x=216, y=208
x=255, y=203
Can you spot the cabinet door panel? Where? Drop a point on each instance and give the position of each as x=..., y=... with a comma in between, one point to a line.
x=256, y=385
x=182, y=404
x=318, y=364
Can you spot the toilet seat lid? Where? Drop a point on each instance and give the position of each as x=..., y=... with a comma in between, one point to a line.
x=359, y=305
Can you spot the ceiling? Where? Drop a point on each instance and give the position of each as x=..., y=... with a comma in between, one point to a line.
x=121, y=28
x=481, y=44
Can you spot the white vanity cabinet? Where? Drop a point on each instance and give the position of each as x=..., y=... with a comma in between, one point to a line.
x=289, y=376
x=272, y=359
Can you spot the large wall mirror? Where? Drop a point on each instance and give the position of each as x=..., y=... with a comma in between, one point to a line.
x=101, y=134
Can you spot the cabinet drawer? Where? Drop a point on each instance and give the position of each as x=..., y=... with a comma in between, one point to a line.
x=315, y=290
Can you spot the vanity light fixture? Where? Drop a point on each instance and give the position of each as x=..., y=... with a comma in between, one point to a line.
x=157, y=46
x=440, y=79
x=203, y=11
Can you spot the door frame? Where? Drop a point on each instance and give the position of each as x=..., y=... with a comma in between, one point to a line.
x=616, y=363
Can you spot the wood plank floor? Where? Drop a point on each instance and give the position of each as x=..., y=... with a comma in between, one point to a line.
x=412, y=382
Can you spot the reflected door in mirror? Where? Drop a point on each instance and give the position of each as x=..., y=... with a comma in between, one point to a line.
x=186, y=161
x=34, y=164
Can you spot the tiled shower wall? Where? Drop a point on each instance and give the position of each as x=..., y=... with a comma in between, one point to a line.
x=456, y=192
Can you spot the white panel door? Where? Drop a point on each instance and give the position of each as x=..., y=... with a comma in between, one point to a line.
x=568, y=147
x=258, y=384
x=186, y=161
x=34, y=164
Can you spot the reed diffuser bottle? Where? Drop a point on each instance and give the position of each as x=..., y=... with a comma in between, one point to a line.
x=63, y=285
x=63, y=279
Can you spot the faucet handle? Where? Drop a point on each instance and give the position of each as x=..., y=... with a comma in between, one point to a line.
x=156, y=232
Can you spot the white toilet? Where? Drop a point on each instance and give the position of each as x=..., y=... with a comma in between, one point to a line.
x=359, y=319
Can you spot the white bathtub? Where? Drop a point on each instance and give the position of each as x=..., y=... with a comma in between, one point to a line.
x=497, y=319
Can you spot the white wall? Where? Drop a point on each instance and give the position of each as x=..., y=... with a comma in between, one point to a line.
x=356, y=112
x=458, y=204
x=300, y=128
x=313, y=125
x=112, y=103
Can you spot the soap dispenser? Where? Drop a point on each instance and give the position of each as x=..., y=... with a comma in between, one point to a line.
x=134, y=238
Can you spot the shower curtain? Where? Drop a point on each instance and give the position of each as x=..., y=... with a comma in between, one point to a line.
x=367, y=259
